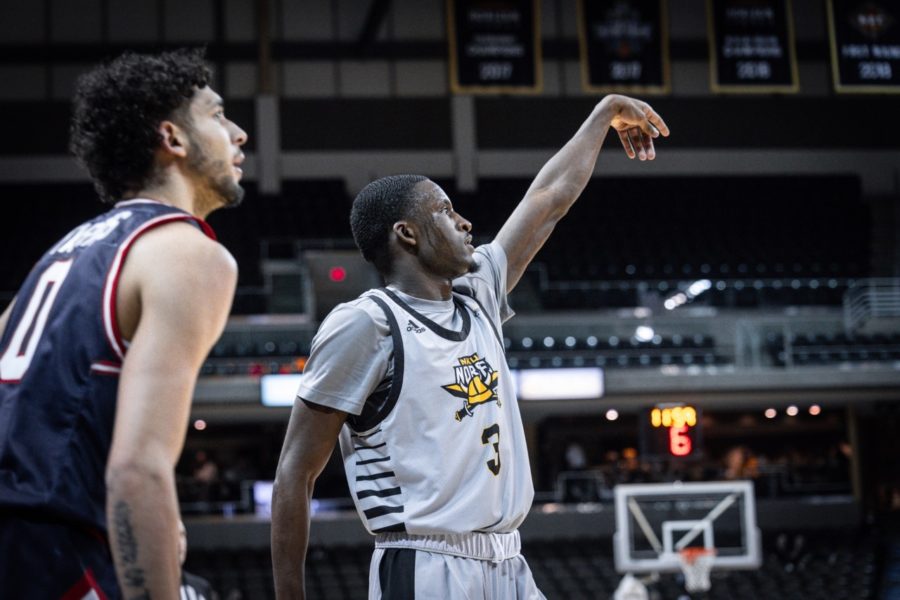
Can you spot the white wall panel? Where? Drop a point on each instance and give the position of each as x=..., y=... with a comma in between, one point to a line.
x=421, y=77
x=552, y=78
x=370, y=78
x=311, y=79
x=240, y=79
x=690, y=78
x=571, y=78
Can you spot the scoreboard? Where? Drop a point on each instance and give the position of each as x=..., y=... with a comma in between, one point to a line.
x=671, y=431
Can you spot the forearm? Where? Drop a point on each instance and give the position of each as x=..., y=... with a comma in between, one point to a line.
x=565, y=175
x=142, y=517
x=290, y=537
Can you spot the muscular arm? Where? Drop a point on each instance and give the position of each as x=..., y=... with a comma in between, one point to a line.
x=559, y=182
x=311, y=435
x=175, y=293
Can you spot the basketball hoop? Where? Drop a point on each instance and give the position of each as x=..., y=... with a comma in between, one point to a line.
x=696, y=563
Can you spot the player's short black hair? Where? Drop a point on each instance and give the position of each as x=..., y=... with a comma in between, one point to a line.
x=376, y=208
x=117, y=109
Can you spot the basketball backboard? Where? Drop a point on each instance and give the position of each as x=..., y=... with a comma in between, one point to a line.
x=655, y=521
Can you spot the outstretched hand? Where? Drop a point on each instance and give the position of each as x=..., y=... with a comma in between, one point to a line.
x=637, y=124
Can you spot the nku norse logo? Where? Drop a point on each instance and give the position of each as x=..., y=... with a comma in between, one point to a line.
x=476, y=383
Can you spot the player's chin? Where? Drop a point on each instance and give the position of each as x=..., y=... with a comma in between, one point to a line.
x=232, y=196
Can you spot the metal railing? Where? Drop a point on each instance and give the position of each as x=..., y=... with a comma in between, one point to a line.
x=870, y=299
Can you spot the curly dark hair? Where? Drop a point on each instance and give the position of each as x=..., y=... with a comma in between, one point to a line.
x=118, y=107
x=376, y=208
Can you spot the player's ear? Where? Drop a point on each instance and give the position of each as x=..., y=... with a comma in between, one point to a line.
x=172, y=139
x=405, y=232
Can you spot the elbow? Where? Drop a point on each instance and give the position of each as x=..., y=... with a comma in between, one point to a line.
x=133, y=476
x=292, y=491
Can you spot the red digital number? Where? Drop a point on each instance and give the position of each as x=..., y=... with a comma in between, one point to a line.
x=680, y=441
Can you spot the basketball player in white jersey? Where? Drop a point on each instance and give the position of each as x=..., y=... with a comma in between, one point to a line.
x=413, y=380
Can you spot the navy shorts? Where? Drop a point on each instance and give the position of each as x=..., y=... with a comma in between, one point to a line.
x=48, y=560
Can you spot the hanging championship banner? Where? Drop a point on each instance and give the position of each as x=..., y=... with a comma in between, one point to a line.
x=494, y=46
x=751, y=46
x=624, y=46
x=865, y=46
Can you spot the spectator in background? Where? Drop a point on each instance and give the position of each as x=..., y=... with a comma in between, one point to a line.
x=205, y=469
x=739, y=463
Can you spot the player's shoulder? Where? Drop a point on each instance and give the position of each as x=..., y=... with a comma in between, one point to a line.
x=183, y=259
x=362, y=316
x=182, y=240
x=362, y=308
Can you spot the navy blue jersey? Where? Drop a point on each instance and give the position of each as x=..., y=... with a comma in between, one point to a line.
x=60, y=358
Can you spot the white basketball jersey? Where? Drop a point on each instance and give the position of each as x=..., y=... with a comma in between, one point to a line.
x=448, y=453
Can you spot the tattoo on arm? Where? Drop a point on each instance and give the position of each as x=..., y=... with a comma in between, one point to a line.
x=128, y=551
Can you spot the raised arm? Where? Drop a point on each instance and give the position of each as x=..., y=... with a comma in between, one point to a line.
x=175, y=294
x=309, y=442
x=562, y=179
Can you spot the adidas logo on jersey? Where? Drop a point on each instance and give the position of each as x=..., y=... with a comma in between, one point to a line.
x=413, y=327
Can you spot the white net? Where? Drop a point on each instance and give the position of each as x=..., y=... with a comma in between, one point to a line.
x=696, y=563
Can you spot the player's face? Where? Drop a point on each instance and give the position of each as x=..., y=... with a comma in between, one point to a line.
x=214, y=155
x=446, y=242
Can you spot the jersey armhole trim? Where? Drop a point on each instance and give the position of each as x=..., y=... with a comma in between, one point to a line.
x=396, y=378
x=110, y=322
x=469, y=292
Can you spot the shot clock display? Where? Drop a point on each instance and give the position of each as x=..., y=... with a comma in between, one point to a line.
x=671, y=430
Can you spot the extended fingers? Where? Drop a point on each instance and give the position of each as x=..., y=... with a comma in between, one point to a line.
x=641, y=143
x=626, y=143
x=656, y=121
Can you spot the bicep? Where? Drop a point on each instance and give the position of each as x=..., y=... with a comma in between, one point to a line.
x=524, y=233
x=310, y=439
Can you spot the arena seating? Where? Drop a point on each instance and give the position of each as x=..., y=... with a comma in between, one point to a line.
x=754, y=238
x=796, y=566
x=803, y=349
x=611, y=352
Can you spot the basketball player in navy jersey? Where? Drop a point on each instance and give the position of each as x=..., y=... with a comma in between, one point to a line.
x=412, y=379
x=101, y=347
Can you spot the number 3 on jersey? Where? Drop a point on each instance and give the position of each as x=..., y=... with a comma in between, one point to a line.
x=486, y=435
x=25, y=338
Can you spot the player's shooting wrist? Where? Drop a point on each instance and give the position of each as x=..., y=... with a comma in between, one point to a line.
x=607, y=108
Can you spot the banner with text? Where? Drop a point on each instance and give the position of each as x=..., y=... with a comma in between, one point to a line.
x=494, y=46
x=751, y=46
x=624, y=45
x=865, y=45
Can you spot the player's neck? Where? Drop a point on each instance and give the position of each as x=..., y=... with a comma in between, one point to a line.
x=421, y=285
x=175, y=191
